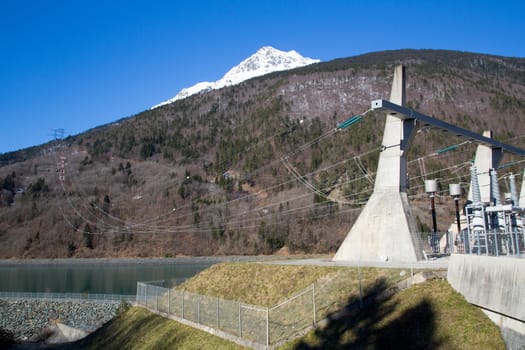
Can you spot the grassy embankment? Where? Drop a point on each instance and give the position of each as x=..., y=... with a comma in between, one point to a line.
x=430, y=315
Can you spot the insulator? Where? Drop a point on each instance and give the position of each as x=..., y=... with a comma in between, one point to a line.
x=514, y=191
x=474, y=183
x=494, y=187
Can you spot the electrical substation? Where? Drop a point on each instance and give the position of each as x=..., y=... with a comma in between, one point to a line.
x=386, y=229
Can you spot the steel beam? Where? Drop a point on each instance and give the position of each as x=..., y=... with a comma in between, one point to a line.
x=405, y=113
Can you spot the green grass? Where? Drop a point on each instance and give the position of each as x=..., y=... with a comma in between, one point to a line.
x=426, y=316
x=267, y=284
x=142, y=330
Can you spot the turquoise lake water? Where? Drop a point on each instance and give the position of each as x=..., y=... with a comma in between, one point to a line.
x=98, y=277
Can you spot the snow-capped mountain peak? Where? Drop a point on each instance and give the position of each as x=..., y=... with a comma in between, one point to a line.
x=265, y=60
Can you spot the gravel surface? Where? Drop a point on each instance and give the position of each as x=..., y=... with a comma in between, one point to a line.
x=28, y=319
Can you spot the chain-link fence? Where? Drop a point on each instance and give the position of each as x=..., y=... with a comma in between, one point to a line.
x=245, y=321
x=433, y=243
x=266, y=326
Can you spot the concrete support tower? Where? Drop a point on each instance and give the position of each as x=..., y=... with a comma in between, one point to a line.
x=386, y=229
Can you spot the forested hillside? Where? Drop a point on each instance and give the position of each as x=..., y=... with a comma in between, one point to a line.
x=253, y=168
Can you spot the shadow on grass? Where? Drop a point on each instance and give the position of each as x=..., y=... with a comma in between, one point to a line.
x=377, y=324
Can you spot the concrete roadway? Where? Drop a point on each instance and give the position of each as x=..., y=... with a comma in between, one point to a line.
x=433, y=264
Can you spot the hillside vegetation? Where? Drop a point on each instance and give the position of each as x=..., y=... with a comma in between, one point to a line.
x=252, y=168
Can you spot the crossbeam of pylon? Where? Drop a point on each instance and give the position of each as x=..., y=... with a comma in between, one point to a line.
x=405, y=113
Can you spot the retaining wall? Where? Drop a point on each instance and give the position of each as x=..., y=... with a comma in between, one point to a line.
x=496, y=285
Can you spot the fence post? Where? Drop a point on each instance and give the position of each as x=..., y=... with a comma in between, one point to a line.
x=150, y=293
x=360, y=286
x=313, y=303
x=169, y=301
x=157, y=297
x=183, y=303
x=240, y=321
x=218, y=319
x=267, y=328
x=199, y=309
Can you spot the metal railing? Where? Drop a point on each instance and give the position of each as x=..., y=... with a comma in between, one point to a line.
x=481, y=242
x=434, y=243
x=108, y=298
x=265, y=326
x=495, y=243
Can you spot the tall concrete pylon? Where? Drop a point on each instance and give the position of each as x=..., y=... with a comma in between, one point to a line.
x=386, y=229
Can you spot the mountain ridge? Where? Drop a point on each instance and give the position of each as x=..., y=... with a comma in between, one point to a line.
x=266, y=60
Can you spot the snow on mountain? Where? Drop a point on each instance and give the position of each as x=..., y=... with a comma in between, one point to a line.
x=265, y=60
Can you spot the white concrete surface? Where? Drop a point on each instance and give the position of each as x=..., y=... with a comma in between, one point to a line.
x=385, y=229
x=493, y=283
x=497, y=286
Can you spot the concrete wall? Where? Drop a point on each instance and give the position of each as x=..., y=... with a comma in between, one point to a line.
x=513, y=331
x=497, y=285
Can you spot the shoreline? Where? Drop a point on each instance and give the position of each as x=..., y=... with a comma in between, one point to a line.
x=126, y=261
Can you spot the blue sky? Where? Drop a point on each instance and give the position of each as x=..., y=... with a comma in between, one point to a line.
x=77, y=64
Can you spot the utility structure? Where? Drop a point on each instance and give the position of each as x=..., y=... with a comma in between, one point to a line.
x=386, y=230
x=494, y=227
x=58, y=134
x=431, y=188
x=486, y=159
x=61, y=169
x=455, y=192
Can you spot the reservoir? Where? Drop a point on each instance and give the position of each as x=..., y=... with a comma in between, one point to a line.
x=98, y=276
